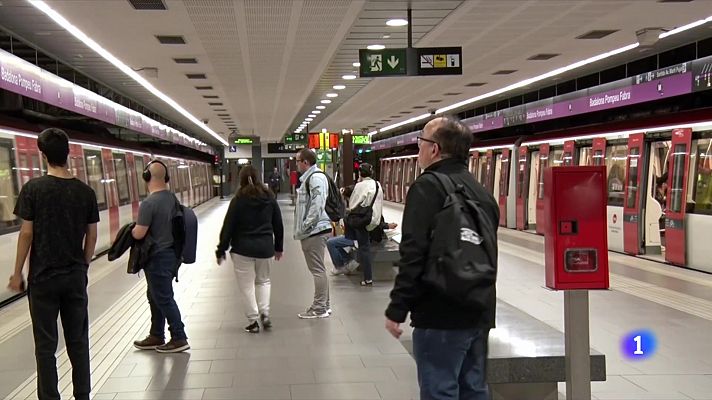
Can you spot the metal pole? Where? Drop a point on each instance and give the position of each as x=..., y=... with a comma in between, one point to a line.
x=576, y=337
x=410, y=26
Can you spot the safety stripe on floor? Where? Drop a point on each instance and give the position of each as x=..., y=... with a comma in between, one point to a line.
x=666, y=297
x=110, y=336
x=16, y=316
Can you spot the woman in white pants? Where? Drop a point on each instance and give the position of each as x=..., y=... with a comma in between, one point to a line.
x=254, y=232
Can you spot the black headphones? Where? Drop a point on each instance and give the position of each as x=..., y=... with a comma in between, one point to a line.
x=147, y=173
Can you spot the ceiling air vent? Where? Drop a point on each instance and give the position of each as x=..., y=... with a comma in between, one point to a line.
x=211, y=96
x=597, y=34
x=505, y=72
x=185, y=60
x=543, y=56
x=170, y=39
x=452, y=93
x=417, y=107
x=674, y=1
x=219, y=109
x=395, y=116
x=215, y=104
x=147, y=4
x=434, y=101
x=475, y=84
x=223, y=115
x=204, y=87
x=196, y=76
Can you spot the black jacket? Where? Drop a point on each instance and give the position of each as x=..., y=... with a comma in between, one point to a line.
x=427, y=308
x=252, y=228
x=140, y=249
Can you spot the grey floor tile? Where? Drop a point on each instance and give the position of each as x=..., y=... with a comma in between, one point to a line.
x=398, y=390
x=354, y=375
x=275, y=377
x=238, y=392
x=388, y=360
x=123, y=370
x=213, y=354
x=153, y=369
x=695, y=386
x=335, y=391
x=408, y=373
x=192, y=381
x=132, y=384
x=191, y=394
x=104, y=396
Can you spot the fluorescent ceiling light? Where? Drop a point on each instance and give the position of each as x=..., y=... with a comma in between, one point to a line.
x=326, y=101
x=332, y=95
x=685, y=27
x=311, y=115
x=339, y=87
x=397, y=22
x=348, y=77
x=356, y=64
x=320, y=107
x=372, y=133
x=309, y=119
x=316, y=112
x=59, y=19
x=376, y=47
x=408, y=121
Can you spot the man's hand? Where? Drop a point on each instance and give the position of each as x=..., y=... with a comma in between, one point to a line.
x=392, y=225
x=16, y=283
x=394, y=328
x=278, y=255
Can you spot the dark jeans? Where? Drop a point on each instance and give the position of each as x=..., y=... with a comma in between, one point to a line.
x=159, y=275
x=64, y=295
x=451, y=363
x=364, y=253
x=336, y=246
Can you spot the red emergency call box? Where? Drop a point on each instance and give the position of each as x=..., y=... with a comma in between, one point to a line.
x=575, y=239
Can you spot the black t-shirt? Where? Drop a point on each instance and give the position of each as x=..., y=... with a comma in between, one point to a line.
x=60, y=210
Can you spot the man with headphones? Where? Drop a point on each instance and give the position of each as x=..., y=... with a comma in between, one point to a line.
x=155, y=224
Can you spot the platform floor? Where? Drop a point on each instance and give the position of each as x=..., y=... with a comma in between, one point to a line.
x=350, y=356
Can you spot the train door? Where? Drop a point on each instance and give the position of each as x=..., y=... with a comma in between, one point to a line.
x=398, y=180
x=475, y=165
x=503, y=184
x=533, y=185
x=569, y=156
x=490, y=172
x=131, y=161
x=496, y=175
x=409, y=175
x=76, y=162
x=544, y=163
x=678, y=167
x=632, y=208
x=656, y=198
x=699, y=199
x=107, y=159
x=384, y=178
x=598, y=153
x=28, y=159
x=387, y=175
x=522, y=188
x=472, y=164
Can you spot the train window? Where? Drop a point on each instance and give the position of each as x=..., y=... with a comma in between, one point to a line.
x=521, y=176
x=703, y=177
x=598, y=158
x=615, y=165
x=37, y=167
x=557, y=158
x=122, y=178
x=633, y=177
x=482, y=176
x=504, y=177
x=139, y=165
x=95, y=175
x=8, y=187
x=678, y=177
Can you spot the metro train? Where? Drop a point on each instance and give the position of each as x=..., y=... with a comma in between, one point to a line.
x=659, y=178
x=113, y=173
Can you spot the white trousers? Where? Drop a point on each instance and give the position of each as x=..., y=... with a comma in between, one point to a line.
x=253, y=280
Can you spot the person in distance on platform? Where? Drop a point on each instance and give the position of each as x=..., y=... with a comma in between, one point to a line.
x=254, y=232
x=59, y=215
x=312, y=228
x=367, y=193
x=450, y=338
x=155, y=224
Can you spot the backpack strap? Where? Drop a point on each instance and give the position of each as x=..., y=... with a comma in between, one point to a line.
x=373, y=201
x=445, y=181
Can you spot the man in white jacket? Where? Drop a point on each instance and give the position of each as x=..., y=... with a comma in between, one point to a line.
x=363, y=195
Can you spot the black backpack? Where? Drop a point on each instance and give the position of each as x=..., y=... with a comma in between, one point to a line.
x=334, y=203
x=462, y=259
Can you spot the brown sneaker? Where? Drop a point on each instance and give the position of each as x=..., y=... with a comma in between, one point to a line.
x=149, y=343
x=174, y=346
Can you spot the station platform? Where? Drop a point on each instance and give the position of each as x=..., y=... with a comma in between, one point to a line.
x=350, y=355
